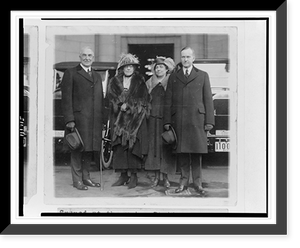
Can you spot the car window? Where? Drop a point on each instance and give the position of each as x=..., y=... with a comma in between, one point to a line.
x=58, y=75
x=102, y=74
x=221, y=106
x=218, y=75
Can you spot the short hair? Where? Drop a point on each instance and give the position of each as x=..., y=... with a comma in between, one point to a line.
x=186, y=48
x=167, y=68
x=86, y=47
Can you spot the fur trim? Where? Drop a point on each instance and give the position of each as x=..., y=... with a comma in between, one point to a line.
x=137, y=99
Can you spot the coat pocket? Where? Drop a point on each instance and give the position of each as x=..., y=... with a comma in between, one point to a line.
x=201, y=110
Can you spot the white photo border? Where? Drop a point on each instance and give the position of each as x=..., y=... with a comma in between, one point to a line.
x=44, y=128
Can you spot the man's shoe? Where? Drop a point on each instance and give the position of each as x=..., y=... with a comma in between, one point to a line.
x=200, y=190
x=89, y=182
x=180, y=189
x=79, y=185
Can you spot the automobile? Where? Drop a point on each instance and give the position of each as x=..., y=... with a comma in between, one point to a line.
x=107, y=70
x=218, y=139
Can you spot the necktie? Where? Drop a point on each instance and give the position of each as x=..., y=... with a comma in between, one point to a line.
x=90, y=72
x=186, y=73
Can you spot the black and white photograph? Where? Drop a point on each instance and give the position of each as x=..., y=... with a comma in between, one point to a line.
x=146, y=116
x=138, y=157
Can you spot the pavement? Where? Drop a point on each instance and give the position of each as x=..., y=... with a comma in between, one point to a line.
x=215, y=183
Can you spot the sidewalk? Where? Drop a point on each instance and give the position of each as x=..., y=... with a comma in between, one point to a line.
x=215, y=182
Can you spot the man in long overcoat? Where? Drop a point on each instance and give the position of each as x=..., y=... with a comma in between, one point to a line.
x=83, y=107
x=189, y=110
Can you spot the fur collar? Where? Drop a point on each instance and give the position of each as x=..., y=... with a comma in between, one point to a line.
x=116, y=88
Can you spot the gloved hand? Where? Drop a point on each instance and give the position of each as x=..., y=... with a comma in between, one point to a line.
x=208, y=127
x=167, y=127
x=124, y=107
x=70, y=125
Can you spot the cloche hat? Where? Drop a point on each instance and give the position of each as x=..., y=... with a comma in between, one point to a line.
x=168, y=62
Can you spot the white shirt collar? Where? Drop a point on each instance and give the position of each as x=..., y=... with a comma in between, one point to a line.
x=189, y=69
x=87, y=69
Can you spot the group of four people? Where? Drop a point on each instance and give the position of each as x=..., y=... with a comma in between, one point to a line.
x=175, y=97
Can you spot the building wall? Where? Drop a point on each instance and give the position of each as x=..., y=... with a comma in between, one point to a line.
x=67, y=47
x=108, y=48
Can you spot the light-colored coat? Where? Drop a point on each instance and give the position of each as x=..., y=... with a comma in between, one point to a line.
x=160, y=156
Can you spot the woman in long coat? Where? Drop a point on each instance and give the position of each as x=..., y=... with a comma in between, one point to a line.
x=129, y=108
x=160, y=158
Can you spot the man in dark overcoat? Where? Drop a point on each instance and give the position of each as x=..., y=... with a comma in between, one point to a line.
x=83, y=107
x=189, y=110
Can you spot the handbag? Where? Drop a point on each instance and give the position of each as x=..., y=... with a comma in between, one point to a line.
x=74, y=140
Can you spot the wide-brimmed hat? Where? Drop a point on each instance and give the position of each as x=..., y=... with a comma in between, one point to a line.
x=74, y=140
x=169, y=137
x=128, y=59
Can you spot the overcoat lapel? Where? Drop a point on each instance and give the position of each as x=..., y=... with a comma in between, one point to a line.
x=95, y=76
x=181, y=77
x=83, y=73
x=191, y=77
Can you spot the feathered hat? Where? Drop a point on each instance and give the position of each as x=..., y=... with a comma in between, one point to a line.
x=128, y=59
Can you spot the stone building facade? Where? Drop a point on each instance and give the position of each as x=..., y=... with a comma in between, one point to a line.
x=108, y=48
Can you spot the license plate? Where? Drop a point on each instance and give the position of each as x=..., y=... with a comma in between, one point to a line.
x=222, y=132
x=222, y=145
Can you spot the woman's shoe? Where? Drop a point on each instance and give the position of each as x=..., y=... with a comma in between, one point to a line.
x=133, y=181
x=167, y=183
x=123, y=179
x=181, y=188
x=155, y=182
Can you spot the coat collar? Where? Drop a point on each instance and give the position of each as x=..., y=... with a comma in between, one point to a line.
x=83, y=73
x=116, y=85
x=192, y=76
x=153, y=81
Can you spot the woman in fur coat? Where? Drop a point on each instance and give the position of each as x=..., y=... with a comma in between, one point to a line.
x=160, y=158
x=129, y=108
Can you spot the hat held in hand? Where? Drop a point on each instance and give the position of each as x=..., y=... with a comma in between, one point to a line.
x=169, y=137
x=74, y=140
